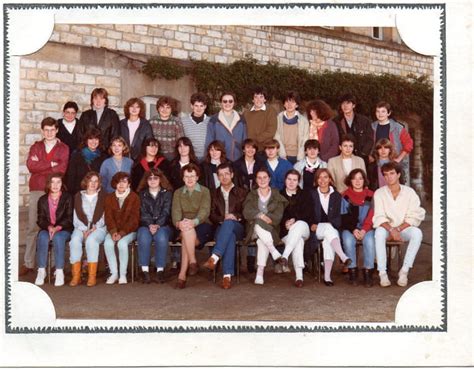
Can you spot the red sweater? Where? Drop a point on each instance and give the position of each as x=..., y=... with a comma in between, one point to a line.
x=42, y=168
x=358, y=198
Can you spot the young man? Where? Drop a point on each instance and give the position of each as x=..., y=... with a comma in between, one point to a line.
x=45, y=157
x=226, y=215
x=69, y=128
x=350, y=122
x=340, y=166
x=261, y=120
x=100, y=116
x=276, y=165
x=397, y=215
x=167, y=128
x=386, y=127
x=195, y=124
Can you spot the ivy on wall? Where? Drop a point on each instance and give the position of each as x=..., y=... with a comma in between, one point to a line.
x=407, y=95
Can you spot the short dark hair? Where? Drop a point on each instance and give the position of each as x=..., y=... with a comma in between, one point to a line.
x=50, y=178
x=219, y=146
x=131, y=102
x=49, y=121
x=292, y=95
x=312, y=143
x=352, y=174
x=293, y=172
x=102, y=92
x=389, y=166
x=348, y=97
x=263, y=170
x=260, y=90
x=232, y=94
x=88, y=177
x=72, y=105
x=383, y=104
x=118, y=177
x=91, y=133
x=249, y=142
x=190, y=168
x=322, y=109
x=271, y=143
x=199, y=97
x=225, y=165
x=167, y=100
x=146, y=143
x=347, y=138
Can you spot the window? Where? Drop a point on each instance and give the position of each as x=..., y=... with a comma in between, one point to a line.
x=377, y=33
x=150, y=104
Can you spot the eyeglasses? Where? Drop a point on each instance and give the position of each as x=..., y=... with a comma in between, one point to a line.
x=227, y=101
x=153, y=177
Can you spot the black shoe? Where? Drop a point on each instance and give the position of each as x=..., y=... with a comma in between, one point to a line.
x=251, y=264
x=353, y=276
x=368, y=281
x=160, y=277
x=175, y=267
x=328, y=283
x=146, y=277
x=348, y=262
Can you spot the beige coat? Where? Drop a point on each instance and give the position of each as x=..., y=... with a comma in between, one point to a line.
x=303, y=134
x=336, y=168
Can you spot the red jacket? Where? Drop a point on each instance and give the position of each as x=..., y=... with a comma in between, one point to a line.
x=42, y=168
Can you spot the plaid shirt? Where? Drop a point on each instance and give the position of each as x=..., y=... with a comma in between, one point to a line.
x=167, y=132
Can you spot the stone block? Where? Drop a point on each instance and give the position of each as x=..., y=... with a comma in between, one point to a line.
x=195, y=55
x=95, y=70
x=47, y=106
x=63, y=67
x=107, y=43
x=279, y=53
x=195, y=39
x=22, y=73
x=84, y=30
x=60, y=76
x=227, y=51
x=71, y=38
x=188, y=46
x=108, y=81
x=180, y=54
x=48, y=66
x=61, y=27
x=114, y=35
x=98, y=32
x=207, y=41
x=112, y=72
x=159, y=41
x=309, y=57
x=165, y=51
x=152, y=49
x=131, y=37
x=123, y=45
x=215, y=50
x=201, y=48
x=28, y=63
x=250, y=32
x=92, y=56
x=155, y=31
x=168, y=34
x=35, y=95
x=57, y=96
x=181, y=36
x=27, y=84
x=90, y=41
x=290, y=40
x=138, y=47
x=213, y=33
x=76, y=68
x=32, y=138
x=257, y=41
x=33, y=116
x=175, y=44
x=124, y=28
x=74, y=88
x=84, y=79
x=186, y=28
x=201, y=30
x=141, y=29
x=221, y=59
x=47, y=86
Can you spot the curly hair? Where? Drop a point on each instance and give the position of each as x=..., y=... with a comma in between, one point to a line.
x=131, y=102
x=118, y=177
x=321, y=108
x=164, y=182
x=167, y=100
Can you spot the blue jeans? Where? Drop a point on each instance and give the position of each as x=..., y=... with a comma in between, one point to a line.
x=59, y=246
x=227, y=234
x=161, y=239
x=122, y=244
x=204, y=234
x=368, y=244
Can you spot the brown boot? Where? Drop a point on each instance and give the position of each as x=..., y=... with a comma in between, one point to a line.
x=76, y=274
x=92, y=269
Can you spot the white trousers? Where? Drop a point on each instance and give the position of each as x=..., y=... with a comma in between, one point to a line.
x=264, y=245
x=294, y=243
x=327, y=233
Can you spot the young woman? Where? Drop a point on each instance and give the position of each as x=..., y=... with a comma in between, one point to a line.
x=89, y=226
x=357, y=213
x=228, y=127
x=89, y=157
x=190, y=214
x=117, y=163
x=308, y=166
x=292, y=129
x=263, y=210
x=122, y=216
x=155, y=210
x=167, y=128
x=135, y=128
x=384, y=152
x=100, y=116
x=246, y=166
x=184, y=155
x=294, y=229
x=326, y=221
x=323, y=129
x=150, y=158
x=55, y=223
x=215, y=157
x=68, y=127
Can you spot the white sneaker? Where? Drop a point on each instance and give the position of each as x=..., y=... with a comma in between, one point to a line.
x=402, y=278
x=59, y=274
x=40, y=277
x=123, y=280
x=258, y=280
x=112, y=279
x=278, y=269
x=384, y=281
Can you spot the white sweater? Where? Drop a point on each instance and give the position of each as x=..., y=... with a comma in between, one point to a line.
x=406, y=208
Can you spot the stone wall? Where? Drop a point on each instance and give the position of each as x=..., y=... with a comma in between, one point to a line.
x=79, y=58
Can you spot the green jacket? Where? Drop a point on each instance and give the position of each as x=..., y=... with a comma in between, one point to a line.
x=276, y=206
x=195, y=205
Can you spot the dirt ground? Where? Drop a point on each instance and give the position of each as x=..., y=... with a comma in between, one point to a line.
x=276, y=300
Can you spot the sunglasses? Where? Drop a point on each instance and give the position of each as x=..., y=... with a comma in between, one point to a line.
x=227, y=101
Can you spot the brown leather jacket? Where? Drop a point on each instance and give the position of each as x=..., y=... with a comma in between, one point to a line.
x=236, y=203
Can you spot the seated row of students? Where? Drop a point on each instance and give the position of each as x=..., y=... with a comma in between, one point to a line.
x=120, y=217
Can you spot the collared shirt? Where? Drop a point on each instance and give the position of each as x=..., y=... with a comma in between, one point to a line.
x=324, y=199
x=264, y=108
x=197, y=188
x=226, y=198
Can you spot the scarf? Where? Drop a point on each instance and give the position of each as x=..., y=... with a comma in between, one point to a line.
x=156, y=162
x=311, y=167
x=89, y=156
x=199, y=119
x=292, y=121
x=121, y=197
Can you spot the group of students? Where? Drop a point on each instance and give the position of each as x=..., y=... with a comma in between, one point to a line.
x=280, y=179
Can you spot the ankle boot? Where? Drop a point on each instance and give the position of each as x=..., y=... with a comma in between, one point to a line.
x=251, y=264
x=92, y=273
x=368, y=282
x=76, y=274
x=353, y=276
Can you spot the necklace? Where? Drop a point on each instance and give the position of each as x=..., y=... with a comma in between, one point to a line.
x=324, y=193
